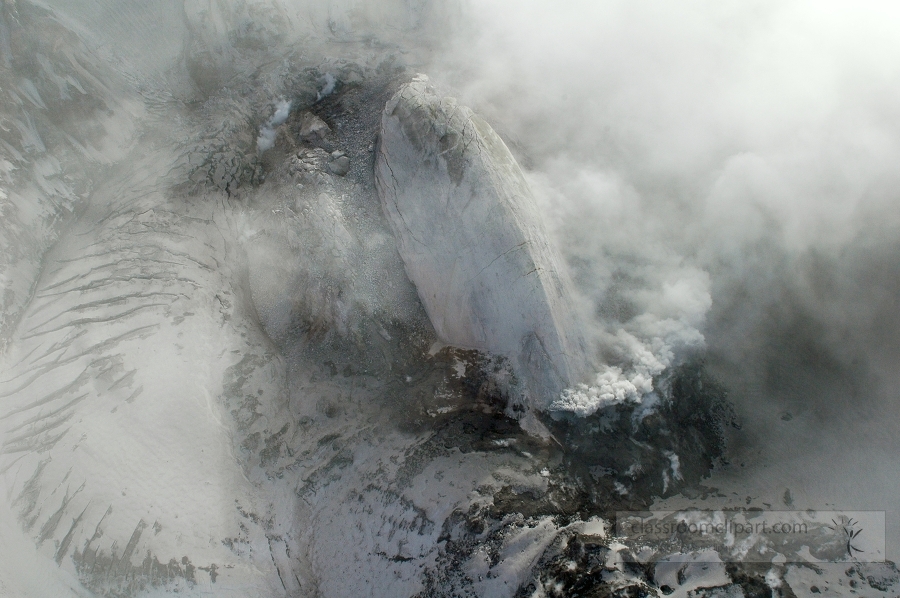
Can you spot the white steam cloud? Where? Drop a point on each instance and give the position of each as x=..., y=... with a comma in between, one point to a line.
x=721, y=174
x=328, y=88
x=267, y=132
x=680, y=149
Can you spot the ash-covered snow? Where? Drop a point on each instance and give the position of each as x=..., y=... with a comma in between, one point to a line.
x=229, y=366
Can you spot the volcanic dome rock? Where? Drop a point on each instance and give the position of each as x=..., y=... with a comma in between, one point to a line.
x=471, y=240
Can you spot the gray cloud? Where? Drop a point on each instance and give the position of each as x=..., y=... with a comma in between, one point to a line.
x=721, y=174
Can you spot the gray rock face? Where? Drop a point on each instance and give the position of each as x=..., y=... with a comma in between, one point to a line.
x=472, y=242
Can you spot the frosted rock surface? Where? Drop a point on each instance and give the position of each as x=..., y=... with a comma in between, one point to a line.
x=472, y=242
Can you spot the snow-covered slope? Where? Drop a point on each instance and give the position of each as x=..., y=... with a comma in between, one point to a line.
x=118, y=440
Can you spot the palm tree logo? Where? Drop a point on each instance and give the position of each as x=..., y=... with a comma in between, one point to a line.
x=849, y=529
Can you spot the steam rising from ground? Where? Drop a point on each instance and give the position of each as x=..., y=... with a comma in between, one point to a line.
x=720, y=174
x=674, y=143
x=266, y=137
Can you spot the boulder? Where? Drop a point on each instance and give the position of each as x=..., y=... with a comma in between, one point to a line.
x=339, y=166
x=313, y=128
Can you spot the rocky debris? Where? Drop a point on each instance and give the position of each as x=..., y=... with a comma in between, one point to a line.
x=313, y=128
x=472, y=242
x=587, y=565
x=308, y=160
x=311, y=163
x=354, y=112
x=316, y=159
x=224, y=169
x=624, y=456
x=583, y=564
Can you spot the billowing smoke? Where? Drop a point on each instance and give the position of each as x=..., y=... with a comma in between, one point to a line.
x=720, y=175
x=675, y=143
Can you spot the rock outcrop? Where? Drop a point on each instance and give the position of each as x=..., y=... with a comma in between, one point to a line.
x=471, y=239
